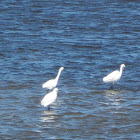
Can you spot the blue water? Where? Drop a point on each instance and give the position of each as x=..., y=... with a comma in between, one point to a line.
x=89, y=39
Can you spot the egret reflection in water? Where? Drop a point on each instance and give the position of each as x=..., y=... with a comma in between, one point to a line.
x=48, y=116
x=114, y=97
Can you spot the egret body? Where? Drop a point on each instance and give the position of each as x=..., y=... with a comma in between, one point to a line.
x=49, y=98
x=53, y=82
x=114, y=76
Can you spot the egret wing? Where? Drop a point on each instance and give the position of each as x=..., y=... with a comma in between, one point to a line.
x=48, y=99
x=112, y=77
x=49, y=84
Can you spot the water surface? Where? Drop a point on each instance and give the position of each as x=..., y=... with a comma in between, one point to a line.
x=88, y=38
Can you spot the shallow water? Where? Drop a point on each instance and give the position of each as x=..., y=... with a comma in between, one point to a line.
x=88, y=38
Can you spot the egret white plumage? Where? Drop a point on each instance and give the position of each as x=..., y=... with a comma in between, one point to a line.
x=114, y=76
x=49, y=98
x=53, y=82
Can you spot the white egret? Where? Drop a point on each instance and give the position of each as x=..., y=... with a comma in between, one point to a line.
x=49, y=98
x=53, y=82
x=114, y=76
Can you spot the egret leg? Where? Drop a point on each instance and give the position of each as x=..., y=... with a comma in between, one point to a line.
x=48, y=107
x=111, y=88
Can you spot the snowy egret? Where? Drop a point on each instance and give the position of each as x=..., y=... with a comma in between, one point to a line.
x=53, y=82
x=114, y=76
x=49, y=98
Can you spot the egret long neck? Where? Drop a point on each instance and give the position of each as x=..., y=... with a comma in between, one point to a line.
x=58, y=75
x=121, y=70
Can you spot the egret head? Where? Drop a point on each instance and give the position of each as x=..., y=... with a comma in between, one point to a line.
x=123, y=65
x=62, y=68
x=55, y=90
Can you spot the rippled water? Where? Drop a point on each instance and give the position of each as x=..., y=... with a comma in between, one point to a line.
x=90, y=39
